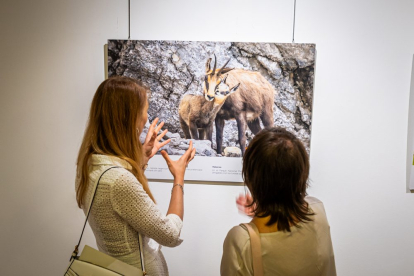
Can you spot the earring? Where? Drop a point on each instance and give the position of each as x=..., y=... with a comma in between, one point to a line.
x=138, y=131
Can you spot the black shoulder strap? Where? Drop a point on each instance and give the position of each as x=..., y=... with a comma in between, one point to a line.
x=75, y=252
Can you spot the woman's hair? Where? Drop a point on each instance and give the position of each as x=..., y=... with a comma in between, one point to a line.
x=276, y=170
x=117, y=105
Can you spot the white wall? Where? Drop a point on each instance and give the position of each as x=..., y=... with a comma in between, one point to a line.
x=410, y=137
x=51, y=61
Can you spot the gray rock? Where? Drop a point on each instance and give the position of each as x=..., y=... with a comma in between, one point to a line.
x=175, y=136
x=175, y=139
x=184, y=146
x=204, y=147
x=232, y=152
x=168, y=135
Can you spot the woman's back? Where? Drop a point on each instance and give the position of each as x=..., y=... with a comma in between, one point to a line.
x=306, y=250
x=121, y=210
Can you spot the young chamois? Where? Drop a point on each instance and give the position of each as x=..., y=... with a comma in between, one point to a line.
x=253, y=100
x=197, y=115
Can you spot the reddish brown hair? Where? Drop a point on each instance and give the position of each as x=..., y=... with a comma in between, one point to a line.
x=276, y=171
x=117, y=105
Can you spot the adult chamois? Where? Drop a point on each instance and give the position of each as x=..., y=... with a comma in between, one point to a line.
x=197, y=115
x=253, y=100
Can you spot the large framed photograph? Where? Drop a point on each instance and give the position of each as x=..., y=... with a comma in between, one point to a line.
x=219, y=94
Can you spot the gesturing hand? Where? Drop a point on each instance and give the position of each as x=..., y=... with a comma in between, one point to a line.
x=178, y=167
x=242, y=204
x=152, y=141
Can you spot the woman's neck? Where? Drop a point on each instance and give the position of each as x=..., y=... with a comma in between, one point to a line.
x=263, y=228
x=261, y=225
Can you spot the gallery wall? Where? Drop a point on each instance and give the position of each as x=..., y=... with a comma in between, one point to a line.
x=410, y=136
x=52, y=60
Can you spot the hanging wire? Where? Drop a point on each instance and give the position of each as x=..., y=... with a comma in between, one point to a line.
x=129, y=19
x=294, y=19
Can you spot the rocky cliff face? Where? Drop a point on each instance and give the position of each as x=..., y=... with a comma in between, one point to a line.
x=174, y=68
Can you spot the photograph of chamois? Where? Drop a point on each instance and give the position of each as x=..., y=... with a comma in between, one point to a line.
x=220, y=94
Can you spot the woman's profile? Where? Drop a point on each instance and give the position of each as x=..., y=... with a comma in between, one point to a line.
x=124, y=206
x=294, y=233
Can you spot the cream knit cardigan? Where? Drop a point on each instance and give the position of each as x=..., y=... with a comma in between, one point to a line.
x=121, y=210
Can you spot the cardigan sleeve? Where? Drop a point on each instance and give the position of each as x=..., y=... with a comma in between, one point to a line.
x=132, y=203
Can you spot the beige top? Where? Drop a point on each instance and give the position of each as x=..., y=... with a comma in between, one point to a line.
x=306, y=250
x=121, y=210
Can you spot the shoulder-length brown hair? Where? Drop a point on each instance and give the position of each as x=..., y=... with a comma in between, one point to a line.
x=276, y=171
x=117, y=105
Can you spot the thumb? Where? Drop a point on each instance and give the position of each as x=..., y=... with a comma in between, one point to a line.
x=166, y=156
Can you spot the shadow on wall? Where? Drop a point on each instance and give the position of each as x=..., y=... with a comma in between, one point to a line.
x=410, y=136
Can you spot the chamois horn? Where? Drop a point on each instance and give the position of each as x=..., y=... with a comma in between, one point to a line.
x=218, y=74
x=215, y=63
x=208, y=65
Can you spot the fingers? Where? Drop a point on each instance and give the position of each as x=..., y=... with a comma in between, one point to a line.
x=153, y=125
x=159, y=137
x=245, y=209
x=153, y=131
x=158, y=128
x=164, y=143
x=152, y=138
x=191, y=156
x=244, y=197
x=166, y=156
x=248, y=198
x=149, y=144
x=187, y=154
x=241, y=200
x=241, y=209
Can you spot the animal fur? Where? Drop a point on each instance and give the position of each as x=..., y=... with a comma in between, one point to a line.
x=197, y=114
x=253, y=100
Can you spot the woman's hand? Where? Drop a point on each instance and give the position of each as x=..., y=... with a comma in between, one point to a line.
x=152, y=142
x=178, y=167
x=243, y=202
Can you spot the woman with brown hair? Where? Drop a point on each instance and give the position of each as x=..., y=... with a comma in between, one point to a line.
x=292, y=228
x=124, y=206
